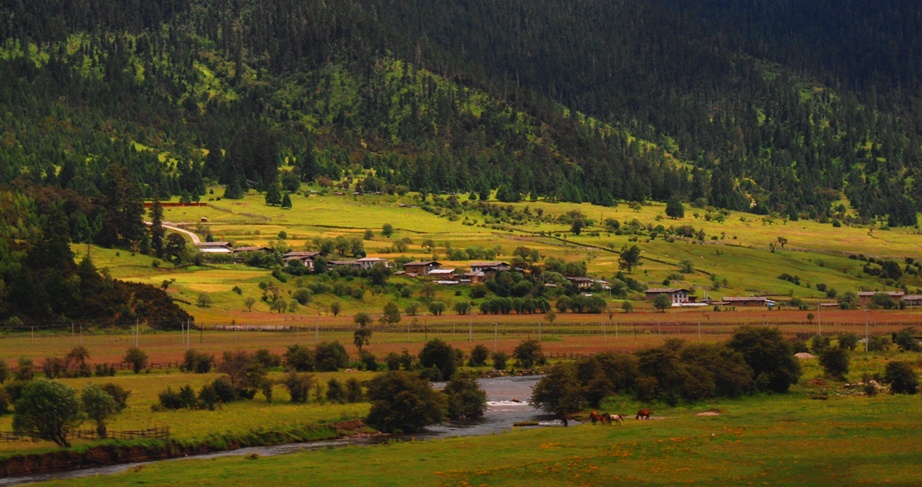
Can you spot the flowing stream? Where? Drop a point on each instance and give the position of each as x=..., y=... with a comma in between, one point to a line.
x=506, y=404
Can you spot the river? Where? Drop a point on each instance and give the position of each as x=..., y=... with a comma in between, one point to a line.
x=506, y=404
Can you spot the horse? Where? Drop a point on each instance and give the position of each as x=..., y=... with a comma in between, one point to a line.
x=643, y=414
x=608, y=418
x=596, y=417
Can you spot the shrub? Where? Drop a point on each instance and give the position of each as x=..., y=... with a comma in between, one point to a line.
x=878, y=343
x=98, y=405
x=528, y=354
x=330, y=357
x=848, y=341
x=299, y=358
x=368, y=360
x=403, y=403
x=25, y=369
x=499, y=360
x=53, y=367
x=267, y=358
x=298, y=385
x=105, y=370
x=905, y=339
x=466, y=399
x=439, y=354
x=354, y=392
x=118, y=393
x=834, y=361
x=479, y=355
x=336, y=392
x=773, y=363
x=5, y=401
x=197, y=362
x=4, y=371
x=901, y=377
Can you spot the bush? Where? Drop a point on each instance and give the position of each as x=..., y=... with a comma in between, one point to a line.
x=336, y=392
x=499, y=360
x=224, y=390
x=299, y=358
x=4, y=371
x=105, y=370
x=330, y=357
x=848, y=341
x=773, y=363
x=479, y=355
x=901, y=377
x=528, y=354
x=559, y=391
x=354, y=392
x=878, y=343
x=834, y=361
x=298, y=385
x=53, y=367
x=267, y=358
x=197, y=362
x=439, y=354
x=403, y=403
x=906, y=340
x=136, y=358
x=466, y=399
x=118, y=393
x=98, y=405
x=25, y=369
x=368, y=360
x=5, y=402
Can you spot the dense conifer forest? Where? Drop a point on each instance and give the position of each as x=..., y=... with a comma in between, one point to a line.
x=798, y=109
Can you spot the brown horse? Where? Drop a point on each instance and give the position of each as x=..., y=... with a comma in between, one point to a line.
x=643, y=414
x=596, y=417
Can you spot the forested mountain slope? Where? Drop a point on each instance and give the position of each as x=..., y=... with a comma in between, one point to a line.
x=769, y=106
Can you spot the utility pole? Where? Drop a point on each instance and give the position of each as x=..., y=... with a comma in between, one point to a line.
x=866, y=338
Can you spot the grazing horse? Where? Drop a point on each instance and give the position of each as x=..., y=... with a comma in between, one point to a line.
x=596, y=417
x=643, y=414
x=609, y=418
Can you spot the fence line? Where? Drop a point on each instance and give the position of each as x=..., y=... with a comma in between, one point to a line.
x=157, y=432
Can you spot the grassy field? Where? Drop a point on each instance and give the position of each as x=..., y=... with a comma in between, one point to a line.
x=771, y=440
x=737, y=249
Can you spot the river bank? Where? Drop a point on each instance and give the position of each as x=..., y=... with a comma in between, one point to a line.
x=116, y=452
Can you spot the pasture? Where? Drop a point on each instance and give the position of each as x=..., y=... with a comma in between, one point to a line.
x=771, y=440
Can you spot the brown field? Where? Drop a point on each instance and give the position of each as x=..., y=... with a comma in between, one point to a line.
x=568, y=334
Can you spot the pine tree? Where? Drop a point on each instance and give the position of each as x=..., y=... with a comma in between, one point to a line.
x=157, y=232
x=286, y=201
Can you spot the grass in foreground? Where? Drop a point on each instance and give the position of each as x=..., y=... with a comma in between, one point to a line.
x=775, y=440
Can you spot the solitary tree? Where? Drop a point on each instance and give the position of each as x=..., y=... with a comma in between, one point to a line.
x=439, y=354
x=136, y=358
x=48, y=410
x=361, y=336
x=98, y=405
x=662, y=301
x=901, y=377
x=674, y=208
x=834, y=361
x=391, y=312
x=528, y=353
x=387, y=230
x=629, y=258
x=466, y=399
x=437, y=308
x=249, y=302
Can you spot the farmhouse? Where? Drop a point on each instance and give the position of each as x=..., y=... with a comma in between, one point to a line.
x=240, y=250
x=473, y=277
x=678, y=295
x=490, y=266
x=421, y=268
x=306, y=258
x=747, y=301
x=214, y=247
x=867, y=297
x=913, y=299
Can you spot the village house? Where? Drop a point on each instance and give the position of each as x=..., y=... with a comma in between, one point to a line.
x=678, y=295
x=421, y=268
x=306, y=258
x=866, y=297
x=490, y=267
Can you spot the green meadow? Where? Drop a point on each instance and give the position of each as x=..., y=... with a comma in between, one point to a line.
x=788, y=439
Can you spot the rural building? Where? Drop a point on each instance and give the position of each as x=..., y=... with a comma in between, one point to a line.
x=240, y=250
x=867, y=297
x=306, y=258
x=747, y=301
x=421, y=268
x=678, y=295
x=214, y=247
x=473, y=277
x=490, y=267
x=913, y=299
